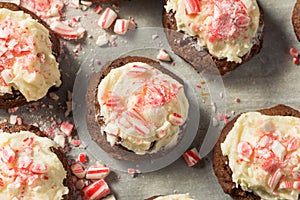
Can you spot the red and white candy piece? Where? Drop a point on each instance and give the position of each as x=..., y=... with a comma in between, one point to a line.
x=242, y=20
x=191, y=157
x=163, y=55
x=296, y=172
x=65, y=31
x=8, y=155
x=137, y=121
x=244, y=149
x=78, y=170
x=32, y=179
x=175, y=119
x=293, y=144
x=285, y=185
x=137, y=70
x=96, y=190
x=6, y=76
x=161, y=131
x=296, y=185
x=98, y=9
x=294, y=53
x=39, y=168
x=191, y=6
x=278, y=149
x=82, y=157
x=97, y=172
x=121, y=26
x=107, y=18
x=275, y=178
x=113, y=100
x=66, y=128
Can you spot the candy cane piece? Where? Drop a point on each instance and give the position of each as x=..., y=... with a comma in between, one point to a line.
x=191, y=6
x=191, y=157
x=6, y=76
x=65, y=31
x=67, y=128
x=244, y=149
x=39, y=168
x=97, y=172
x=98, y=9
x=293, y=144
x=274, y=179
x=121, y=26
x=82, y=157
x=175, y=119
x=296, y=185
x=161, y=131
x=285, y=185
x=8, y=155
x=278, y=149
x=137, y=70
x=96, y=190
x=113, y=101
x=137, y=121
x=163, y=55
x=107, y=18
x=78, y=170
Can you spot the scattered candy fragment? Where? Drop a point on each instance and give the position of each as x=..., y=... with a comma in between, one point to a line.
x=107, y=18
x=65, y=31
x=78, y=170
x=98, y=9
x=244, y=149
x=82, y=157
x=8, y=155
x=294, y=53
x=191, y=157
x=175, y=119
x=238, y=100
x=275, y=178
x=96, y=190
x=102, y=40
x=66, y=128
x=163, y=56
x=191, y=6
x=97, y=172
x=60, y=140
x=121, y=26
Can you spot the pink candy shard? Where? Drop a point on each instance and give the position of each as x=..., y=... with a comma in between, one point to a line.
x=191, y=6
x=82, y=157
x=191, y=157
x=96, y=172
x=294, y=53
x=285, y=185
x=244, y=149
x=176, y=119
x=163, y=56
x=8, y=154
x=137, y=70
x=275, y=178
x=96, y=190
x=121, y=26
x=78, y=170
x=67, y=128
x=65, y=31
x=39, y=168
x=107, y=18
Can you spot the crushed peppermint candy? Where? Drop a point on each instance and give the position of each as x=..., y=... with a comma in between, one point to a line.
x=191, y=157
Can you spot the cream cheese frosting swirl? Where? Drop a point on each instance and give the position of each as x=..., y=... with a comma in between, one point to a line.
x=26, y=60
x=263, y=153
x=29, y=170
x=141, y=106
x=227, y=28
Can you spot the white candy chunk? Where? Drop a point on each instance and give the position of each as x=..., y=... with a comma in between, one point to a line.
x=268, y=127
x=278, y=149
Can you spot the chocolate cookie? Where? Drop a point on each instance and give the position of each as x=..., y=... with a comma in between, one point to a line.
x=220, y=162
x=296, y=19
x=94, y=121
x=9, y=128
x=16, y=98
x=188, y=49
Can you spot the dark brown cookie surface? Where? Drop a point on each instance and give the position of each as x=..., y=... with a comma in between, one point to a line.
x=201, y=60
x=16, y=98
x=296, y=19
x=9, y=128
x=220, y=162
x=93, y=109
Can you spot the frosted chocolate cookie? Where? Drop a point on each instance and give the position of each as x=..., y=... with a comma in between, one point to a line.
x=227, y=32
x=135, y=109
x=28, y=54
x=257, y=155
x=32, y=166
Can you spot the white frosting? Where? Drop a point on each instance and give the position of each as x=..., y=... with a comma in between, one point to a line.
x=227, y=28
x=21, y=178
x=26, y=59
x=263, y=153
x=175, y=197
x=139, y=104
